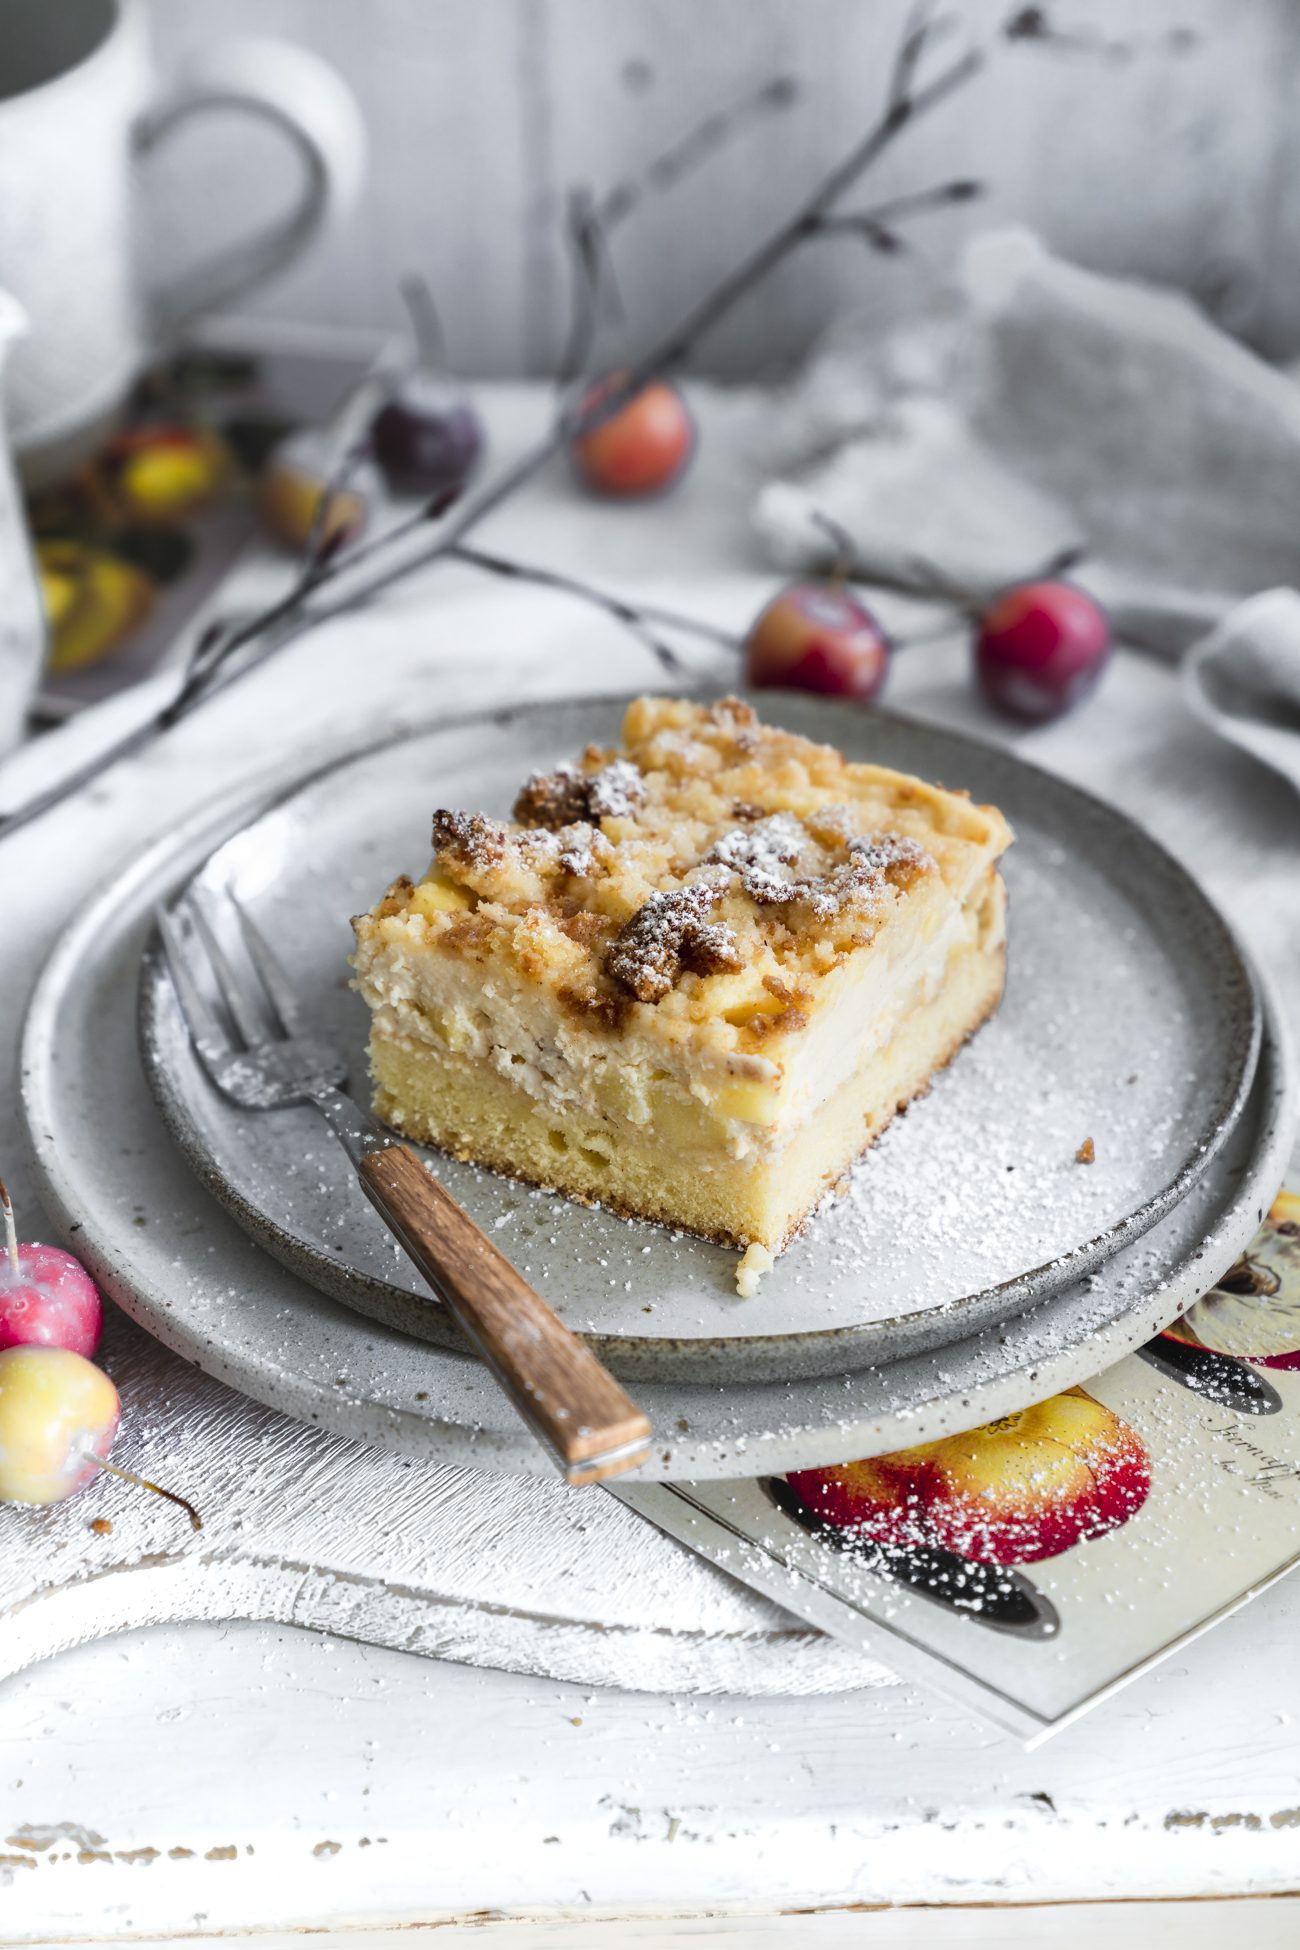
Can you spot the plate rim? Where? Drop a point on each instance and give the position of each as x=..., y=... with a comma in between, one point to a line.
x=821, y=1350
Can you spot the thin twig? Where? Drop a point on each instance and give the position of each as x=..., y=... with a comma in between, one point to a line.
x=685, y=154
x=323, y=540
x=921, y=27
x=220, y=641
x=642, y=616
x=635, y=620
x=675, y=346
x=961, y=189
x=593, y=279
x=880, y=216
x=647, y=614
x=1033, y=24
x=588, y=222
x=878, y=235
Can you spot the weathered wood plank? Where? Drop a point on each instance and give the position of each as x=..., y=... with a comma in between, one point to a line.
x=1177, y=163
x=1266, y=1925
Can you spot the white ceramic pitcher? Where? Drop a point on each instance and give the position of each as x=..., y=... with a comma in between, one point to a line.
x=22, y=616
x=80, y=112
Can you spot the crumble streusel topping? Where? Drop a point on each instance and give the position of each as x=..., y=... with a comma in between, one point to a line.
x=581, y=850
x=710, y=867
x=758, y=854
x=759, y=851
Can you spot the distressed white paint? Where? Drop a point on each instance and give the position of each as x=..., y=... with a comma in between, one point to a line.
x=484, y=114
x=442, y=1785
x=209, y=1738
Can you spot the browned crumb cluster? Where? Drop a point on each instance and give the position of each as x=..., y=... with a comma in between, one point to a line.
x=467, y=839
x=565, y=796
x=669, y=933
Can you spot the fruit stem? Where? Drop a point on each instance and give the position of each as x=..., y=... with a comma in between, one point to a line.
x=11, y=1232
x=843, y=559
x=426, y=326
x=143, y=1483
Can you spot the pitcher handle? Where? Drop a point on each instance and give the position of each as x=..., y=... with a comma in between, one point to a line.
x=301, y=96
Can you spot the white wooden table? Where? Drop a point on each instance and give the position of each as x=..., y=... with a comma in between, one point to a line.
x=205, y=1779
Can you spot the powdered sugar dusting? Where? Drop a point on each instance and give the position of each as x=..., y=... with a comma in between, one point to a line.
x=616, y=791
x=768, y=843
x=878, y=852
x=580, y=849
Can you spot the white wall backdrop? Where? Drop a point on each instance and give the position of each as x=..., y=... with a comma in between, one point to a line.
x=1179, y=160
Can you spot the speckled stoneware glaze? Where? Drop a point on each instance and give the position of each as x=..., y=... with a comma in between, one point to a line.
x=1130, y=1018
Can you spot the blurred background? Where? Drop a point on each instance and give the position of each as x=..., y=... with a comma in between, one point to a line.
x=1181, y=162
x=230, y=227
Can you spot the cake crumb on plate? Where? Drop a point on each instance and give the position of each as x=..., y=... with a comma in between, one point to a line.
x=750, y=1268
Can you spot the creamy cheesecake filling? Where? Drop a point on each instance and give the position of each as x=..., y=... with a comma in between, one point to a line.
x=745, y=1102
x=655, y=1171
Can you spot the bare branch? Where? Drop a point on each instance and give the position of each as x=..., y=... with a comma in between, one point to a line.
x=919, y=29
x=588, y=222
x=1035, y=24
x=686, y=154
x=585, y=273
x=962, y=189
x=593, y=283
x=674, y=348
x=876, y=225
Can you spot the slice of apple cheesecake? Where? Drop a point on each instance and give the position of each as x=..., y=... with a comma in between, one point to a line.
x=693, y=977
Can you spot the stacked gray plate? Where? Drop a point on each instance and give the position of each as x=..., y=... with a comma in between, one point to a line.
x=1131, y=1019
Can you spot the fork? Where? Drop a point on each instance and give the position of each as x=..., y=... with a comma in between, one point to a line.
x=275, y=1059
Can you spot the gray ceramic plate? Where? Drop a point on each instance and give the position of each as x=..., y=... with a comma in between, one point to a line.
x=120, y=1193
x=1130, y=1018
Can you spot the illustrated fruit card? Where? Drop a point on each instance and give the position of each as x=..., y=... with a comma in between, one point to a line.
x=1034, y=1565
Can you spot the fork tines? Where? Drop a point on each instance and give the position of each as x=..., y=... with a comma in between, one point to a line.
x=261, y=1007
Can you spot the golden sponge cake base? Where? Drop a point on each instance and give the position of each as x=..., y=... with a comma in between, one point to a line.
x=432, y=1095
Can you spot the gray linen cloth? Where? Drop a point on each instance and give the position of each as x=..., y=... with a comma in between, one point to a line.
x=1037, y=409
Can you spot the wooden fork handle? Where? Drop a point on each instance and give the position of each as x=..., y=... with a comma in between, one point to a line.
x=554, y=1380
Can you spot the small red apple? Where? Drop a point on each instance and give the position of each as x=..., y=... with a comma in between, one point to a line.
x=296, y=477
x=1025, y=1487
x=817, y=636
x=58, y=1416
x=47, y=1298
x=1040, y=648
x=641, y=447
